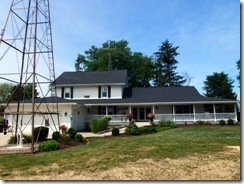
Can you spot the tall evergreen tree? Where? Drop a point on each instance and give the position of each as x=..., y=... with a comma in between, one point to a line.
x=165, y=66
x=219, y=85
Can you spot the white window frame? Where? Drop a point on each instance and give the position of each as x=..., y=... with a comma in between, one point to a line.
x=67, y=91
x=104, y=92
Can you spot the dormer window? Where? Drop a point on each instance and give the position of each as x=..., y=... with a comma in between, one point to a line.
x=104, y=91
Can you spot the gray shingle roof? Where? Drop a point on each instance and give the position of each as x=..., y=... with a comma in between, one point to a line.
x=157, y=95
x=96, y=77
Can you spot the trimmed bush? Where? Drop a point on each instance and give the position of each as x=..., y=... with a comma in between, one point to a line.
x=43, y=133
x=64, y=139
x=78, y=138
x=115, y=131
x=222, y=122
x=167, y=123
x=50, y=145
x=55, y=136
x=107, y=118
x=98, y=125
x=132, y=129
x=72, y=132
x=230, y=122
x=148, y=129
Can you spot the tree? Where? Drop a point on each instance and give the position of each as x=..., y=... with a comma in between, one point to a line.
x=22, y=92
x=238, y=67
x=116, y=55
x=141, y=70
x=112, y=56
x=5, y=91
x=165, y=66
x=219, y=85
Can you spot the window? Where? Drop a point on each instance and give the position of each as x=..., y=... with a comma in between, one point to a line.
x=104, y=91
x=184, y=109
x=46, y=121
x=67, y=92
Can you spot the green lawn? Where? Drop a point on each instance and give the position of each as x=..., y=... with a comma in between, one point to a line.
x=105, y=153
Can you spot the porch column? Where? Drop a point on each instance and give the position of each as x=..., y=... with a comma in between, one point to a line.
x=153, y=109
x=173, y=112
x=214, y=112
x=130, y=109
x=106, y=110
x=194, y=113
x=235, y=112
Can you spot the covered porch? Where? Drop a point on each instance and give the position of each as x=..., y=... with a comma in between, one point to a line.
x=179, y=113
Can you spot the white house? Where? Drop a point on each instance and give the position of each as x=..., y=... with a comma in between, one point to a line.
x=85, y=95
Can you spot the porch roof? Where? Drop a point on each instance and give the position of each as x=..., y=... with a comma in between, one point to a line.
x=158, y=95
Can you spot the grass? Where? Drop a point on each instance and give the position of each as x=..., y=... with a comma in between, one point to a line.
x=101, y=154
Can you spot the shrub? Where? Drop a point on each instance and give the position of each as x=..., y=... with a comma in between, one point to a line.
x=148, y=129
x=230, y=122
x=222, y=122
x=56, y=135
x=50, y=145
x=26, y=139
x=132, y=129
x=72, y=132
x=107, y=118
x=78, y=138
x=200, y=122
x=98, y=125
x=115, y=131
x=41, y=133
x=167, y=123
x=64, y=139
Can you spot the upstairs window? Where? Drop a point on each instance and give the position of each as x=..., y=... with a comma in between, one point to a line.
x=67, y=92
x=104, y=91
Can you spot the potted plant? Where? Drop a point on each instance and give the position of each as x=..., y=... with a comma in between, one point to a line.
x=63, y=128
x=130, y=116
x=151, y=117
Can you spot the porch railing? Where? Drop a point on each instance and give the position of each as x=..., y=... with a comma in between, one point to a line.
x=175, y=117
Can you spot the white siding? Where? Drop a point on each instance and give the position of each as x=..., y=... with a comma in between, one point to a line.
x=59, y=91
x=116, y=92
x=79, y=92
x=40, y=119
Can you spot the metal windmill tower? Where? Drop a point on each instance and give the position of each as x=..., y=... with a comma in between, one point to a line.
x=26, y=45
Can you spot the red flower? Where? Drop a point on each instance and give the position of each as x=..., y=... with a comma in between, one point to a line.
x=151, y=116
x=129, y=115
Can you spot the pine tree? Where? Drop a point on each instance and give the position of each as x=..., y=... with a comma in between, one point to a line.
x=165, y=66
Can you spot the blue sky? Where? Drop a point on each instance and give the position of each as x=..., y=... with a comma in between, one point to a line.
x=206, y=31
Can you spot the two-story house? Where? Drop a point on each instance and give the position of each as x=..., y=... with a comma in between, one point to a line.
x=86, y=95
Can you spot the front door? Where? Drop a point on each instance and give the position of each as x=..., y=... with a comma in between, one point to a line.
x=142, y=113
x=134, y=112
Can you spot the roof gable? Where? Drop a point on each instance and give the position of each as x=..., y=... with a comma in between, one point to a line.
x=95, y=77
